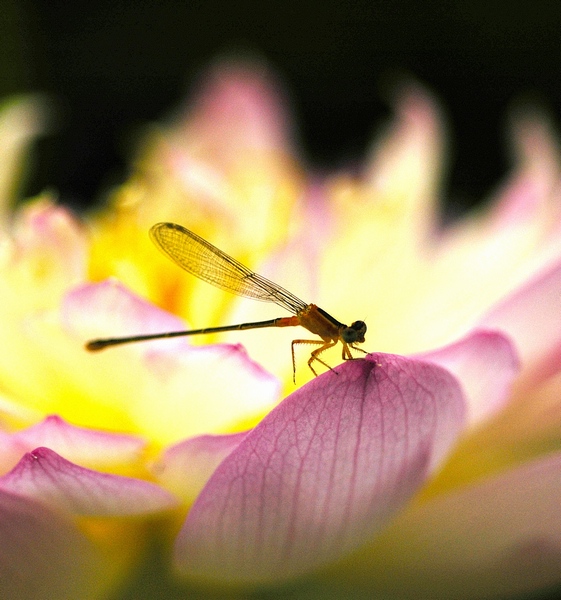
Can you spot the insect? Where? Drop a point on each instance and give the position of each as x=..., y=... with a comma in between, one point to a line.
x=200, y=258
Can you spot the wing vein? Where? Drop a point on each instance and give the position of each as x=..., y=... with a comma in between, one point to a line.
x=200, y=258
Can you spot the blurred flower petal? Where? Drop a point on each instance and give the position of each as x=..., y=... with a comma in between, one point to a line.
x=87, y=447
x=191, y=384
x=323, y=471
x=499, y=538
x=43, y=255
x=486, y=364
x=159, y=385
x=186, y=467
x=530, y=316
x=43, y=554
x=405, y=164
x=49, y=478
x=109, y=304
x=238, y=106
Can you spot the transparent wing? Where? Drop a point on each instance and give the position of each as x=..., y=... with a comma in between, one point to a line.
x=200, y=258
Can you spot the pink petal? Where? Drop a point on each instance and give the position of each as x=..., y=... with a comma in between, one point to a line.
x=43, y=555
x=108, y=309
x=87, y=447
x=323, y=472
x=527, y=196
x=409, y=155
x=530, y=317
x=500, y=538
x=486, y=364
x=168, y=388
x=50, y=238
x=49, y=478
x=186, y=467
x=238, y=107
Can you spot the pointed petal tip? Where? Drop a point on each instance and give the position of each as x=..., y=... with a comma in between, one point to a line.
x=47, y=477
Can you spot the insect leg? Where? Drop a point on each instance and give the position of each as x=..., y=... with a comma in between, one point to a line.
x=314, y=356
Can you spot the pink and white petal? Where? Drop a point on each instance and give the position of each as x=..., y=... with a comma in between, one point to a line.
x=239, y=127
x=47, y=253
x=186, y=467
x=204, y=389
x=527, y=202
x=499, y=538
x=87, y=447
x=43, y=555
x=237, y=108
x=486, y=364
x=405, y=163
x=528, y=427
x=323, y=472
x=46, y=477
x=170, y=362
x=109, y=309
x=166, y=389
x=530, y=316
x=43, y=227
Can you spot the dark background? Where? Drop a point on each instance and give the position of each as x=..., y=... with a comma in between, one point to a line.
x=113, y=66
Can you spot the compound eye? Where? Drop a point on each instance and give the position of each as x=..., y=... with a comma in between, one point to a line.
x=355, y=333
x=359, y=326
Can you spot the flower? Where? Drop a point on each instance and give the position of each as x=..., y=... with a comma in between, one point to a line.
x=429, y=469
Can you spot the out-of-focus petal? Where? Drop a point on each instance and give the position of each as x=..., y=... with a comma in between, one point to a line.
x=165, y=390
x=486, y=364
x=238, y=106
x=43, y=255
x=43, y=554
x=86, y=447
x=405, y=165
x=109, y=304
x=391, y=213
x=527, y=209
x=203, y=389
x=186, y=467
x=225, y=170
x=47, y=477
x=239, y=126
x=530, y=316
x=323, y=471
x=499, y=538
